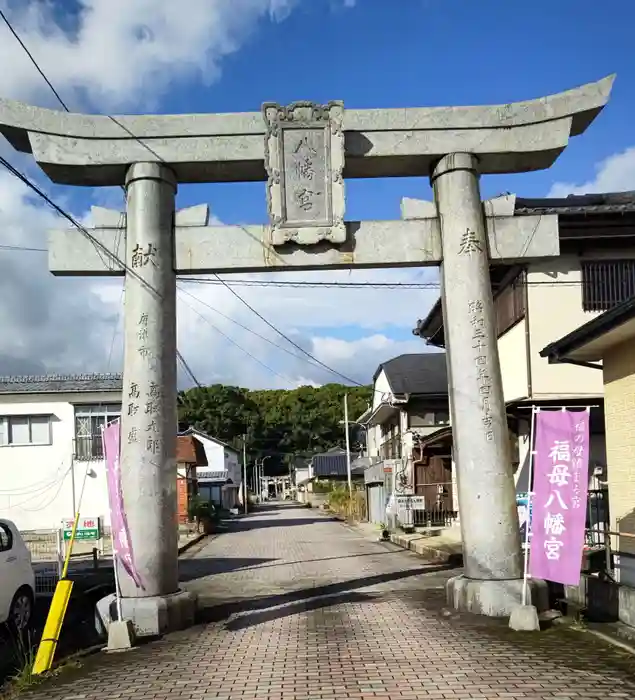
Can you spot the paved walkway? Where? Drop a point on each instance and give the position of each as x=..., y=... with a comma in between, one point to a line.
x=301, y=607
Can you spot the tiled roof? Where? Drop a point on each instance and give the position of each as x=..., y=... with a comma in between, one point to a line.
x=329, y=465
x=333, y=464
x=61, y=383
x=416, y=373
x=607, y=203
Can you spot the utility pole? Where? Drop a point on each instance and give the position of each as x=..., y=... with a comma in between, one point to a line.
x=348, y=447
x=245, y=496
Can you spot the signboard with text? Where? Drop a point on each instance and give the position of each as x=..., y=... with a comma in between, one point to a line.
x=87, y=528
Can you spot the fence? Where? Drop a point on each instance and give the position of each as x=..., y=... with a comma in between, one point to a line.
x=46, y=548
x=438, y=508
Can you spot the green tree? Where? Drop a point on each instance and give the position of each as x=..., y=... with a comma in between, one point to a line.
x=281, y=424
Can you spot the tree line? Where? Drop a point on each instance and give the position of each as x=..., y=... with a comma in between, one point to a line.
x=286, y=425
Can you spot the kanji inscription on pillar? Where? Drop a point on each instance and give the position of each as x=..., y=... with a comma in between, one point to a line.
x=481, y=361
x=304, y=158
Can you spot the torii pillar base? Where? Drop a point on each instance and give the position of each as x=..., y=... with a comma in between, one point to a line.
x=494, y=598
x=151, y=617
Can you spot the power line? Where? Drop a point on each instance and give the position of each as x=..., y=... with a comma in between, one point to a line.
x=233, y=342
x=317, y=285
x=188, y=369
x=285, y=337
x=249, y=330
x=354, y=285
x=23, y=248
x=33, y=61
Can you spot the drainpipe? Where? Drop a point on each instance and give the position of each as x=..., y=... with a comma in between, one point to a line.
x=530, y=389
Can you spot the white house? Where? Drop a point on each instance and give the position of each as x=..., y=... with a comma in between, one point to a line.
x=220, y=482
x=49, y=437
x=406, y=441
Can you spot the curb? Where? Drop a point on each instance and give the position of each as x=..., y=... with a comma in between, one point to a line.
x=191, y=543
x=432, y=554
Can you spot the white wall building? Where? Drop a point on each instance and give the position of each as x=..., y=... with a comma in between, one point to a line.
x=49, y=437
x=220, y=482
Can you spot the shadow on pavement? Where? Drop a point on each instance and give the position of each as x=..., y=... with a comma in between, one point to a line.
x=217, y=613
x=309, y=561
x=191, y=569
x=246, y=524
x=258, y=618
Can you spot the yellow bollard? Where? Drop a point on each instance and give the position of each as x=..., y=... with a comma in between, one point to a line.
x=53, y=627
x=57, y=611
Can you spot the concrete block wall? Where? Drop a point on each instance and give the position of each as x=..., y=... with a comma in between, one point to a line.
x=619, y=407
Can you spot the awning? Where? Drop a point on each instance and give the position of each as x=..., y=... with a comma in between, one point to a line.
x=381, y=414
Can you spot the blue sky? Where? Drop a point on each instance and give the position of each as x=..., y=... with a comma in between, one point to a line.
x=232, y=55
x=418, y=53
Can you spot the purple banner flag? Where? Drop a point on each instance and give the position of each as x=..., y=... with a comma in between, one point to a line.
x=118, y=521
x=561, y=482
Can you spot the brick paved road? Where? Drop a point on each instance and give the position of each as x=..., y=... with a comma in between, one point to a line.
x=300, y=607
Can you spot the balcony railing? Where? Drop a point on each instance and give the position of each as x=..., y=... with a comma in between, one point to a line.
x=391, y=449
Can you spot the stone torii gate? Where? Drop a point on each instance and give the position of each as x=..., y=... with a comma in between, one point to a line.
x=304, y=152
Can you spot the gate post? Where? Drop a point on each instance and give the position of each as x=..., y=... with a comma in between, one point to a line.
x=489, y=522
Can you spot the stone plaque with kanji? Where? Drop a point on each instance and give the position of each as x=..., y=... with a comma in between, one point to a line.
x=304, y=158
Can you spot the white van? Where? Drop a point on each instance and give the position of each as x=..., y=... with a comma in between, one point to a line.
x=17, y=580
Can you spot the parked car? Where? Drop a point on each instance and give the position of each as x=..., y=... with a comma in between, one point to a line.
x=17, y=580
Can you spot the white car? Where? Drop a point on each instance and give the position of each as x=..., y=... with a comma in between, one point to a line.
x=17, y=580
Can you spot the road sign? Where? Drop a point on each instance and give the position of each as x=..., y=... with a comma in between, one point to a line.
x=87, y=528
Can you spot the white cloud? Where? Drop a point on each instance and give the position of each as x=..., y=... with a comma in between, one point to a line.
x=348, y=330
x=56, y=325
x=614, y=174
x=126, y=54
x=123, y=52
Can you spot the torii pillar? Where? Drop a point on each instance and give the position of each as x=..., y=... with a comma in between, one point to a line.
x=304, y=152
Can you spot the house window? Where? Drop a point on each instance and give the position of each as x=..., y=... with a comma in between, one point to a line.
x=509, y=305
x=25, y=430
x=210, y=494
x=423, y=419
x=606, y=283
x=89, y=421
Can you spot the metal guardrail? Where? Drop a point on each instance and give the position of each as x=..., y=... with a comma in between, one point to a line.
x=46, y=548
